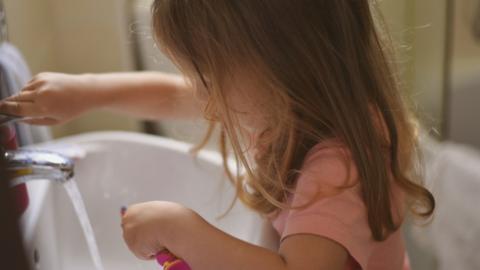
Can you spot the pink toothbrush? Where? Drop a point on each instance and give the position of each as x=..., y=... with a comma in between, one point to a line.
x=166, y=259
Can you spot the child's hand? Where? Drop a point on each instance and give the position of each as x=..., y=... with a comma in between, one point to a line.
x=147, y=226
x=50, y=98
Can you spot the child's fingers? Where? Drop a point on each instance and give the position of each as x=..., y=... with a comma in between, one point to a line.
x=23, y=96
x=137, y=248
x=32, y=85
x=18, y=108
x=137, y=253
x=143, y=250
x=146, y=254
x=41, y=121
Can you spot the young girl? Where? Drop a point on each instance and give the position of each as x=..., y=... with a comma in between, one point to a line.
x=307, y=101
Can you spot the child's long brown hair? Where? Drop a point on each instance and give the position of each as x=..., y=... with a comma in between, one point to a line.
x=326, y=70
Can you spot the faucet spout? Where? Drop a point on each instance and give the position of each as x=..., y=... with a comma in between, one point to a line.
x=27, y=165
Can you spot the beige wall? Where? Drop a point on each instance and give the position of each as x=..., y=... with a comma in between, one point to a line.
x=30, y=25
x=70, y=35
x=418, y=28
x=92, y=35
x=429, y=22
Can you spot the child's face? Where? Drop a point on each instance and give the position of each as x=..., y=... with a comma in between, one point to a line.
x=246, y=99
x=249, y=101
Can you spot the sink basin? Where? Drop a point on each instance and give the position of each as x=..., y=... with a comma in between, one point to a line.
x=116, y=169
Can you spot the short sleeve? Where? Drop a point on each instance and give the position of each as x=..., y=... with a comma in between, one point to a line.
x=329, y=191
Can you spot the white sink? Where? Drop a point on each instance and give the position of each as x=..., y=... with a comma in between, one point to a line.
x=118, y=169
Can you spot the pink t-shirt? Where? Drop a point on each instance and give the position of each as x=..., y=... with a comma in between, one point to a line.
x=341, y=216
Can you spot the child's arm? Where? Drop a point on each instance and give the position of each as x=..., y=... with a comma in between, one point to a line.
x=151, y=95
x=58, y=98
x=204, y=247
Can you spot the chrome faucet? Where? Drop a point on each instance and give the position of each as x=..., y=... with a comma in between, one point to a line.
x=27, y=165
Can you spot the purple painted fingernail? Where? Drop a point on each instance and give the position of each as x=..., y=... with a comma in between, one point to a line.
x=123, y=210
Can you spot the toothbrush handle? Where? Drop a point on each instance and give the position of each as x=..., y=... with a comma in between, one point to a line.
x=170, y=262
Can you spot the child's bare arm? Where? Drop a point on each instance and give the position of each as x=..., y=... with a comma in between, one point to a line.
x=206, y=247
x=57, y=98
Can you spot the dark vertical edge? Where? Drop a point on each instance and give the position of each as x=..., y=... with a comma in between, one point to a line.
x=447, y=68
x=12, y=252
